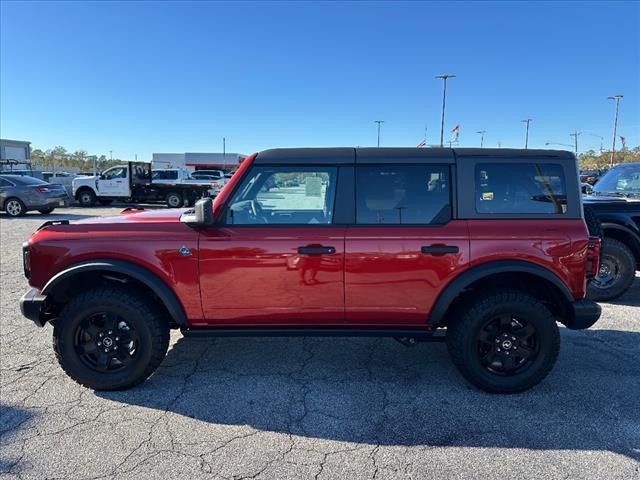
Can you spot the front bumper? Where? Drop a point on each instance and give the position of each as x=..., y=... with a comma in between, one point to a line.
x=584, y=313
x=31, y=306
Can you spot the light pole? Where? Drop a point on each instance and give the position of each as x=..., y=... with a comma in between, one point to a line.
x=481, y=132
x=615, y=127
x=575, y=136
x=111, y=155
x=379, y=122
x=444, y=79
x=597, y=136
x=526, y=135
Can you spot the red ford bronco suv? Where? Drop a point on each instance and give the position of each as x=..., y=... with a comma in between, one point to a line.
x=486, y=249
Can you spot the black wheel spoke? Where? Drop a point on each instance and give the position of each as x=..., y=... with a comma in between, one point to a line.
x=104, y=360
x=110, y=321
x=87, y=348
x=124, y=357
x=486, y=337
x=524, y=351
x=525, y=332
x=92, y=330
x=508, y=363
x=505, y=323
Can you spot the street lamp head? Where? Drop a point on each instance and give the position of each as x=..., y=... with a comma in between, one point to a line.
x=445, y=76
x=615, y=97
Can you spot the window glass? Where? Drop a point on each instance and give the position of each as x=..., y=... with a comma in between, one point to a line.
x=284, y=195
x=623, y=179
x=417, y=194
x=118, y=172
x=516, y=188
x=26, y=180
x=165, y=175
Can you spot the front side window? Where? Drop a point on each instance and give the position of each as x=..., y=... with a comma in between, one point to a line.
x=520, y=188
x=403, y=195
x=119, y=172
x=285, y=196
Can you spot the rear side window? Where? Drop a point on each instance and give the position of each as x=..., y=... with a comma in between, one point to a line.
x=516, y=188
x=403, y=195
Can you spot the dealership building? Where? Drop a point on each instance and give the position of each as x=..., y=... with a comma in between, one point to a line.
x=198, y=161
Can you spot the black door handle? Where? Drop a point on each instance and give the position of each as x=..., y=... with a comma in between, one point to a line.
x=440, y=249
x=316, y=250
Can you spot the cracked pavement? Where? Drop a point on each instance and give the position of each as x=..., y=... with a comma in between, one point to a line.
x=275, y=408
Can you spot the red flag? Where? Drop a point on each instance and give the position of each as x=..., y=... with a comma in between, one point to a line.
x=455, y=133
x=422, y=144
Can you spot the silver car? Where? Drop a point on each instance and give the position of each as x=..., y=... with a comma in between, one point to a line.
x=19, y=194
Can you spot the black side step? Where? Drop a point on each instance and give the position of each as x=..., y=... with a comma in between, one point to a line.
x=418, y=333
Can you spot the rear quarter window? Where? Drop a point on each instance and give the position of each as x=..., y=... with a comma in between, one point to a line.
x=520, y=188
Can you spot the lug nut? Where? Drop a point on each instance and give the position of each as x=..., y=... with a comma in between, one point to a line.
x=117, y=338
x=116, y=347
x=101, y=335
x=110, y=332
x=106, y=350
x=99, y=343
x=498, y=349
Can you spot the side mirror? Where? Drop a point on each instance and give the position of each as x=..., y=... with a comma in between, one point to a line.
x=204, y=212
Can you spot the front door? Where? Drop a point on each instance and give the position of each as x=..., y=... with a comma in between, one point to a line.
x=277, y=258
x=404, y=247
x=114, y=182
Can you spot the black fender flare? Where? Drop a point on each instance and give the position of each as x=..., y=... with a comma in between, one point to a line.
x=623, y=228
x=143, y=275
x=462, y=281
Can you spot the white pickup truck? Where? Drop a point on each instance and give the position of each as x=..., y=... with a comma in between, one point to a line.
x=136, y=182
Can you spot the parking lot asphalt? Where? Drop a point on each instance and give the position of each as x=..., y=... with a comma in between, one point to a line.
x=314, y=408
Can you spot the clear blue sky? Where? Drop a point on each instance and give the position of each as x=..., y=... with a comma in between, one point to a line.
x=146, y=77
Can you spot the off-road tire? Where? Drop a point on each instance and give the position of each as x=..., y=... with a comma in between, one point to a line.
x=174, y=200
x=86, y=197
x=614, y=254
x=472, y=315
x=150, y=324
x=593, y=223
x=46, y=211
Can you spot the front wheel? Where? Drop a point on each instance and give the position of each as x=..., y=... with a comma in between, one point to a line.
x=87, y=198
x=110, y=338
x=616, y=272
x=503, y=341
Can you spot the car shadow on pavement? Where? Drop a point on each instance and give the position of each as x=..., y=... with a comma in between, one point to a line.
x=377, y=391
x=631, y=297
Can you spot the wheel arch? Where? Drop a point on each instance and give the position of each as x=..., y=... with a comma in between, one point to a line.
x=625, y=235
x=82, y=188
x=514, y=273
x=65, y=282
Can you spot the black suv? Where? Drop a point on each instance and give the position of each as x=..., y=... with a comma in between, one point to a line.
x=615, y=201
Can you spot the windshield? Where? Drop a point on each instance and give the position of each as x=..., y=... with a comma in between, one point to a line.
x=623, y=180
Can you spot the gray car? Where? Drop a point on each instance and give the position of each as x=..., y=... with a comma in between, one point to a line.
x=19, y=194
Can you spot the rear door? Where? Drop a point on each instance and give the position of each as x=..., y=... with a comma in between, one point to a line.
x=405, y=245
x=277, y=258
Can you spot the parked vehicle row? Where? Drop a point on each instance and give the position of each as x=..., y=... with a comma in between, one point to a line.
x=484, y=249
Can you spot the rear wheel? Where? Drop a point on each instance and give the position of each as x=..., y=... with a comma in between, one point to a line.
x=46, y=211
x=616, y=272
x=110, y=338
x=14, y=207
x=503, y=341
x=174, y=200
x=87, y=198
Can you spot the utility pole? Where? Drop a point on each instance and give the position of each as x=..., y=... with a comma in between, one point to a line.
x=379, y=122
x=111, y=155
x=575, y=136
x=444, y=79
x=526, y=135
x=615, y=127
x=481, y=132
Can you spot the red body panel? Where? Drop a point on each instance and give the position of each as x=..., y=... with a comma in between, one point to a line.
x=557, y=245
x=389, y=282
x=149, y=239
x=255, y=276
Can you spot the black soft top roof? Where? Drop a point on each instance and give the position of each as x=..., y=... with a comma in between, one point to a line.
x=349, y=155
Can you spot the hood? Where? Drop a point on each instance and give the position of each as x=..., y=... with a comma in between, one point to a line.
x=132, y=215
x=608, y=199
